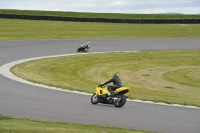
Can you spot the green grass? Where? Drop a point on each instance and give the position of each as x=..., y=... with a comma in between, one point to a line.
x=19, y=125
x=160, y=76
x=12, y=29
x=101, y=15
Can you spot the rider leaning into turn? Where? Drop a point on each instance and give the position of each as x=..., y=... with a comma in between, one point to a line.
x=86, y=46
x=116, y=84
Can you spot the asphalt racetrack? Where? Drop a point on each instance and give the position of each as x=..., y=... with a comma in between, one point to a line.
x=27, y=101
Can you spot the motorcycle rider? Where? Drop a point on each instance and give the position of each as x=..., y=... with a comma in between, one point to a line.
x=116, y=84
x=86, y=46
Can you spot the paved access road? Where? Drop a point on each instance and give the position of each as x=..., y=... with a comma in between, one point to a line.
x=22, y=100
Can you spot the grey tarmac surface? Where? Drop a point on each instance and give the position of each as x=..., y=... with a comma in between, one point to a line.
x=26, y=101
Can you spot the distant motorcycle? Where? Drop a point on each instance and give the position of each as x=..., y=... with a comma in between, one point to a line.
x=84, y=47
x=102, y=96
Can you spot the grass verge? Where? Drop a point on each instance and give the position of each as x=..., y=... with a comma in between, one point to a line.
x=159, y=76
x=12, y=29
x=19, y=125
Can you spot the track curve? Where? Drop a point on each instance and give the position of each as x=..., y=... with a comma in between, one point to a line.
x=21, y=100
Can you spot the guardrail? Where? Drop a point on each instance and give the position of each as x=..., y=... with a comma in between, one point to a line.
x=105, y=20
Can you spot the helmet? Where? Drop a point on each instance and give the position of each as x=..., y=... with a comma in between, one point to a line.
x=88, y=42
x=115, y=75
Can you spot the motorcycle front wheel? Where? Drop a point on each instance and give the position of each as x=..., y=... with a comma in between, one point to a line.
x=95, y=99
x=79, y=49
x=120, y=101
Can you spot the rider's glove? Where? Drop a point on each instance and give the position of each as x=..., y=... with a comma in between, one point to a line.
x=100, y=85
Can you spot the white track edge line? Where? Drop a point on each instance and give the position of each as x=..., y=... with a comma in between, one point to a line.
x=5, y=71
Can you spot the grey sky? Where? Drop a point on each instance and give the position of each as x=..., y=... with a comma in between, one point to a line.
x=108, y=6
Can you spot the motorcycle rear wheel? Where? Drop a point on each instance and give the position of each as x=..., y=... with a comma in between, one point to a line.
x=121, y=102
x=95, y=99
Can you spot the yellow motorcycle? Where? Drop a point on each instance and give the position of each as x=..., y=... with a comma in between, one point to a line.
x=102, y=96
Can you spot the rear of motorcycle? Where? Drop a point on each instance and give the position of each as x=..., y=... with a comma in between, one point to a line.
x=119, y=100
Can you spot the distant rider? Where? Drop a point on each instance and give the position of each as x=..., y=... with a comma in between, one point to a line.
x=86, y=46
x=116, y=84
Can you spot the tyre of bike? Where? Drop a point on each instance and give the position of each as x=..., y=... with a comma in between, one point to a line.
x=120, y=103
x=79, y=49
x=95, y=99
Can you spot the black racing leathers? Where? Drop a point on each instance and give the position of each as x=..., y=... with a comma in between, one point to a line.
x=116, y=84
